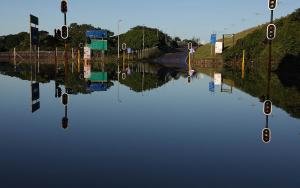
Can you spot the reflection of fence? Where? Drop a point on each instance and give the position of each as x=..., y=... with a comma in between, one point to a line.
x=208, y=63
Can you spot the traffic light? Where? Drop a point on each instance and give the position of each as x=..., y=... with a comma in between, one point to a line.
x=88, y=40
x=271, y=31
x=272, y=4
x=64, y=6
x=64, y=32
x=268, y=107
x=266, y=135
x=65, y=99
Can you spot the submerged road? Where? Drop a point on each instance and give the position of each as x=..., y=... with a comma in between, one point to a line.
x=173, y=60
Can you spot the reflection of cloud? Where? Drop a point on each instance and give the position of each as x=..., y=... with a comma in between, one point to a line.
x=243, y=20
x=257, y=14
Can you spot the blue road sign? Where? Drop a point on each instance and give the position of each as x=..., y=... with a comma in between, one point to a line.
x=97, y=87
x=96, y=34
x=129, y=50
x=213, y=39
x=34, y=36
x=35, y=91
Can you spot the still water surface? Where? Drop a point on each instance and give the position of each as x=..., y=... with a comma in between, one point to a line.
x=174, y=134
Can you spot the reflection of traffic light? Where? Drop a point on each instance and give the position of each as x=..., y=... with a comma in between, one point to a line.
x=64, y=6
x=65, y=99
x=267, y=107
x=271, y=31
x=272, y=4
x=64, y=122
x=266, y=135
x=64, y=32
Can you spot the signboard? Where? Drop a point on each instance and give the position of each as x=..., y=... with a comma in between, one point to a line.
x=35, y=91
x=218, y=79
x=213, y=39
x=87, y=71
x=87, y=53
x=98, y=45
x=34, y=19
x=129, y=50
x=219, y=48
x=192, y=50
x=96, y=34
x=98, y=77
x=34, y=35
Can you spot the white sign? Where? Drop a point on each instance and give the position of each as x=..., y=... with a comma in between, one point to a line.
x=219, y=48
x=87, y=71
x=192, y=50
x=87, y=53
x=218, y=79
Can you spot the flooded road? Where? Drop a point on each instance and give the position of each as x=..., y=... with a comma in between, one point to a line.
x=152, y=129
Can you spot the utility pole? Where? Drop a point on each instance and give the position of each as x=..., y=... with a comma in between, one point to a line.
x=143, y=41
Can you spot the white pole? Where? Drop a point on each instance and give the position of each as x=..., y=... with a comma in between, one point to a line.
x=119, y=39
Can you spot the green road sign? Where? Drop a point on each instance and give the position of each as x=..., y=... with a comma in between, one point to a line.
x=98, y=77
x=98, y=44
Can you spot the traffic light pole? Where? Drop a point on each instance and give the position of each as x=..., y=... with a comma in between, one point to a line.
x=270, y=59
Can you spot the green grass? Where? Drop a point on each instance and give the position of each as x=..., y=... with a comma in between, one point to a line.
x=204, y=52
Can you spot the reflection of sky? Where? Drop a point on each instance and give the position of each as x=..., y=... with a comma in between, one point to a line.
x=178, y=130
x=182, y=18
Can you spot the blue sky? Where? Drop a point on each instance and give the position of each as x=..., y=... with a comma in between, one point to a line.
x=184, y=18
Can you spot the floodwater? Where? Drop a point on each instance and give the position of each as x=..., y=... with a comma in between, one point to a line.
x=152, y=129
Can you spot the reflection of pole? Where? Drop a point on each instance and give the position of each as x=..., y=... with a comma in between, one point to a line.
x=78, y=60
x=243, y=65
x=38, y=59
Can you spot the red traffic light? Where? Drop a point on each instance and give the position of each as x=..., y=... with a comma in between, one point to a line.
x=266, y=135
x=268, y=107
x=64, y=6
x=272, y=4
x=271, y=31
x=64, y=32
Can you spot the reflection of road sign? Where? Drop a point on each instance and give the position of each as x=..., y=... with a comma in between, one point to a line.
x=212, y=87
x=98, y=44
x=98, y=77
x=35, y=106
x=87, y=53
x=34, y=36
x=35, y=90
x=219, y=48
x=87, y=71
x=129, y=50
x=217, y=79
x=266, y=135
x=213, y=39
x=34, y=20
x=96, y=34
x=97, y=87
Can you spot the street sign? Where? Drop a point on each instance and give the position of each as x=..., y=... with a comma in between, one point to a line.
x=87, y=53
x=98, y=77
x=213, y=39
x=34, y=19
x=98, y=45
x=34, y=35
x=35, y=91
x=96, y=34
x=192, y=50
x=218, y=79
x=97, y=87
x=129, y=50
x=219, y=48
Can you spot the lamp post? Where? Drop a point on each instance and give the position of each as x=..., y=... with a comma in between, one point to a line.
x=119, y=21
